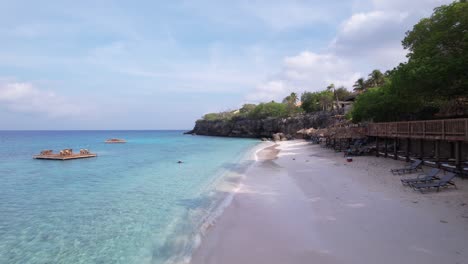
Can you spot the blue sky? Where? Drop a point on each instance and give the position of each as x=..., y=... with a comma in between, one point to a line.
x=163, y=64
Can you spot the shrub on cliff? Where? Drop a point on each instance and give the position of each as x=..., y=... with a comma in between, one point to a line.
x=272, y=109
x=252, y=111
x=222, y=116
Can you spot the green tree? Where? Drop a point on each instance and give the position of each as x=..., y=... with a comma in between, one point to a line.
x=342, y=93
x=434, y=75
x=290, y=99
x=326, y=100
x=438, y=54
x=272, y=109
x=317, y=101
x=376, y=79
x=226, y=115
x=360, y=85
x=247, y=108
x=331, y=88
x=310, y=102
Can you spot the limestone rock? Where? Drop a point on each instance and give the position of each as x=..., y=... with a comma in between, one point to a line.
x=263, y=128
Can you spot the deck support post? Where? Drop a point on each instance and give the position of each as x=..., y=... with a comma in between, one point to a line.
x=437, y=151
x=458, y=154
x=386, y=147
x=421, y=149
x=452, y=149
x=395, y=152
x=377, y=154
x=408, y=146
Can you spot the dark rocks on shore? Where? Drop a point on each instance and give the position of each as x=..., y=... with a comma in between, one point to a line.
x=262, y=128
x=281, y=137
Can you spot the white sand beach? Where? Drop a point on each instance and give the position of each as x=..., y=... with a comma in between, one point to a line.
x=300, y=203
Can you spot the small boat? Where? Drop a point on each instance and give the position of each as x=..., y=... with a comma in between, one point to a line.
x=115, y=140
x=65, y=154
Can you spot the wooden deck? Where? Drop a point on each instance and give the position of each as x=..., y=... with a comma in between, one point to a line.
x=447, y=130
x=67, y=157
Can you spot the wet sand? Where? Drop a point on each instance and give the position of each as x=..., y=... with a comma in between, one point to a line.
x=300, y=203
x=268, y=153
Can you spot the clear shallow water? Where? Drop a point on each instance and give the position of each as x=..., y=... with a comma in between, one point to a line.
x=131, y=204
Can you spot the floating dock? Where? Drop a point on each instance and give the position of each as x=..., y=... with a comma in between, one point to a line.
x=115, y=140
x=60, y=157
x=66, y=154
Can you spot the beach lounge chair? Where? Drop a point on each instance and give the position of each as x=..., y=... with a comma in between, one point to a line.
x=445, y=181
x=46, y=152
x=66, y=152
x=423, y=177
x=413, y=167
x=84, y=151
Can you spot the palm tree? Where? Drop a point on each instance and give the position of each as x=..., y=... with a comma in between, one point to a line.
x=331, y=87
x=293, y=98
x=290, y=99
x=360, y=85
x=376, y=78
x=324, y=101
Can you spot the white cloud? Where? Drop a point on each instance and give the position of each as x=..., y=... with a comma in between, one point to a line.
x=26, y=98
x=413, y=5
x=217, y=71
x=276, y=15
x=269, y=91
x=282, y=15
x=371, y=37
x=369, y=22
x=306, y=71
x=368, y=39
x=315, y=71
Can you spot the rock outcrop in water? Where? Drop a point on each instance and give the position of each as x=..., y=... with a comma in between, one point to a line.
x=262, y=128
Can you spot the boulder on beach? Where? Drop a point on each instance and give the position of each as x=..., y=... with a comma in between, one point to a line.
x=280, y=137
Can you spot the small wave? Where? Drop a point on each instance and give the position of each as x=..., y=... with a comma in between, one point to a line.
x=210, y=215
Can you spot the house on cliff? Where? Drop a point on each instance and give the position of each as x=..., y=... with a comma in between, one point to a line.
x=347, y=103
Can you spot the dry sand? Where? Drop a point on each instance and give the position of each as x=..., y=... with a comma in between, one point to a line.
x=300, y=203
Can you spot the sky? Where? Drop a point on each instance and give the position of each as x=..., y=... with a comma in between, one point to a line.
x=155, y=64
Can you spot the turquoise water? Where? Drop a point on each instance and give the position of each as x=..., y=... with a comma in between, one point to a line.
x=131, y=204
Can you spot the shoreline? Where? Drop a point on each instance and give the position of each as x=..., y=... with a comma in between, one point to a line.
x=228, y=184
x=224, y=187
x=296, y=201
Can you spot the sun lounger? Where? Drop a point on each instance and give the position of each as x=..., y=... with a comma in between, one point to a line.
x=413, y=167
x=422, y=178
x=46, y=152
x=445, y=181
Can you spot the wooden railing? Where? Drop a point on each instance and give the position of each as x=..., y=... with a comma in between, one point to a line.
x=348, y=132
x=447, y=129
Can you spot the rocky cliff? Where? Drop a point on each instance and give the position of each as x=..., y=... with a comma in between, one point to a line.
x=258, y=128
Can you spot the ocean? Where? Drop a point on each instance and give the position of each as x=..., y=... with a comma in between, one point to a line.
x=132, y=204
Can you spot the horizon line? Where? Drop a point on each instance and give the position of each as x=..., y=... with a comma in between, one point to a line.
x=13, y=130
